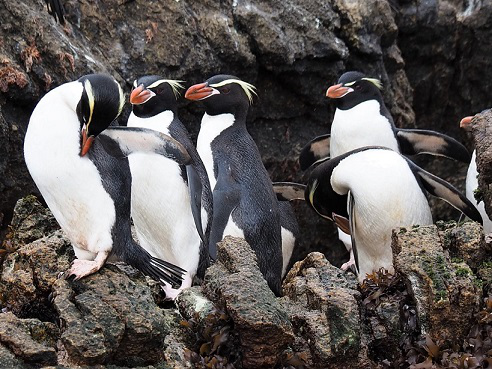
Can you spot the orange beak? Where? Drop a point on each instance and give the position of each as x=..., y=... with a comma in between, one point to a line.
x=337, y=91
x=465, y=122
x=140, y=95
x=199, y=92
x=86, y=142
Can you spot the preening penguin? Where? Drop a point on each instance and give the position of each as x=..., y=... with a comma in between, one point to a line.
x=87, y=189
x=171, y=204
x=362, y=119
x=472, y=183
x=372, y=190
x=244, y=202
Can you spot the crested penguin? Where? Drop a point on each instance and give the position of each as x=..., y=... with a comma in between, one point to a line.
x=88, y=190
x=171, y=204
x=368, y=192
x=243, y=199
x=472, y=183
x=362, y=119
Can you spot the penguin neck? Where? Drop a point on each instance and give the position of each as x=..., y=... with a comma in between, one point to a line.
x=350, y=101
x=159, y=122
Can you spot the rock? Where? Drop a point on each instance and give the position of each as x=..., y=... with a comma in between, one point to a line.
x=322, y=303
x=465, y=242
x=30, y=340
x=29, y=273
x=108, y=318
x=446, y=294
x=192, y=304
x=481, y=128
x=261, y=323
x=31, y=221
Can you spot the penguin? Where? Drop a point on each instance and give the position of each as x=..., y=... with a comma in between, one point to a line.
x=362, y=119
x=243, y=199
x=370, y=191
x=87, y=189
x=168, y=199
x=472, y=183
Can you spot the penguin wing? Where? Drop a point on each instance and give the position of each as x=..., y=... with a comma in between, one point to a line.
x=351, y=211
x=225, y=201
x=195, y=189
x=447, y=192
x=317, y=149
x=419, y=141
x=123, y=141
x=288, y=191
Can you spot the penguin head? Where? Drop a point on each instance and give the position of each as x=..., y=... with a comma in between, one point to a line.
x=466, y=122
x=354, y=88
x=152, y=95
x=223, y=94
x=101, y=103
x=319, y=192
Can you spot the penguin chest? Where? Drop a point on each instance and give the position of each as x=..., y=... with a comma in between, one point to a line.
x=471, y=186
x=211, y=127
x=72, y=188
x=161, y=210
x=362, y=125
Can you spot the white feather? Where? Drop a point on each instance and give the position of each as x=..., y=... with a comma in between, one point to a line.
x=288, y=243
x=363, y=125
x=386, y=196
x=211, y=127
x=471, y=186
x=160, y=203
x=70, y=184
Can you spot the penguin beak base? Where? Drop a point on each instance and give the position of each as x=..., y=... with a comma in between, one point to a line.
x=338, y=91
x=199, y=92
x=465, y=122
x=140, y=95
x=86, y=142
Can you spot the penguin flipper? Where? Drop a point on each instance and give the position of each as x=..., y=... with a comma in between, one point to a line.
x=225, y=202
x=123, y=141
x=317, y=149
x=195, y=189
x=351, y=207
x=419, y=141
x=447, y=192
x=288, y=191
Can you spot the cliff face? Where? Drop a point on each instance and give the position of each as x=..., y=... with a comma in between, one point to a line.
x=430, y=55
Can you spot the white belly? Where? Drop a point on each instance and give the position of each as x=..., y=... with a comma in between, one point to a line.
x=386, y=196
x=70, y=184
x=471, y=186
x=288, y=243
x=160, y=205
x=351, y=129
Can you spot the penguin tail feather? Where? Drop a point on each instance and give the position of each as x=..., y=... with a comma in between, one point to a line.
x=157, y=269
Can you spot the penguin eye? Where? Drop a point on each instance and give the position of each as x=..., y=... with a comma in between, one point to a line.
x=225, y=90
x=159, y=91
x=358, y=87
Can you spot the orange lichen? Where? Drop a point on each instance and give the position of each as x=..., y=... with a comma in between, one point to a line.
x=30, y=55
x=10, y=76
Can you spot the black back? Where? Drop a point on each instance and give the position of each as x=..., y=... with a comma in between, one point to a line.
x=243, y=184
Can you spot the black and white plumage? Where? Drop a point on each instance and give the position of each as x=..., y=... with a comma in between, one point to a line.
x=472, y=183
x=87, y=189
x=171, y=203
x=244, y=202
x=372, y=190
x=56, y=9
x=362, y=119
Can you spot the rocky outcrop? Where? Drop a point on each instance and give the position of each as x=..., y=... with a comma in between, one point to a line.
x=481, y=127
x=446, y=293
x=117, y=318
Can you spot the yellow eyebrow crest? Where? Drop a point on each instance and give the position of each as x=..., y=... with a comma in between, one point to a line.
x=376, y=82
x=248, y=88
x=175, y=85
x=90, y=97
